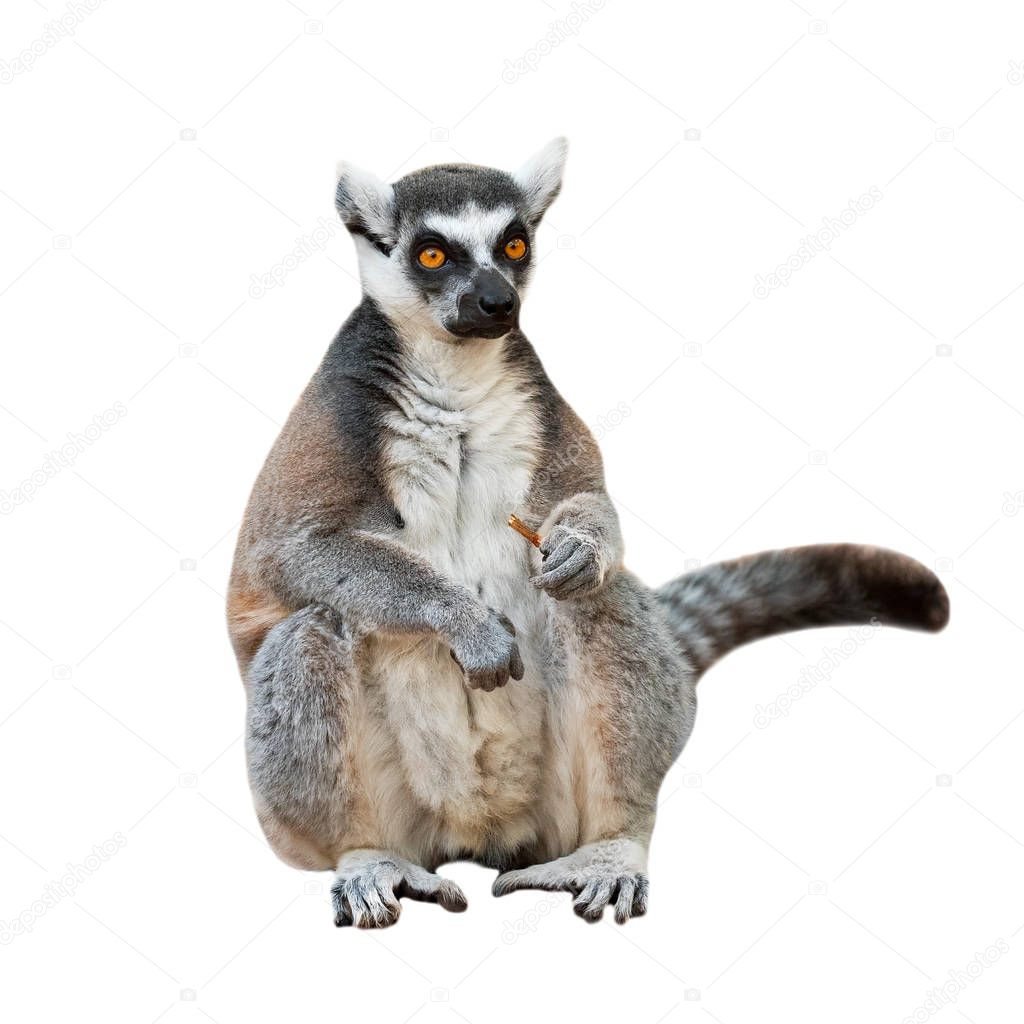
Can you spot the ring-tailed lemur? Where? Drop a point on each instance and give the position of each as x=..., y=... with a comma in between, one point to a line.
x=376, y=584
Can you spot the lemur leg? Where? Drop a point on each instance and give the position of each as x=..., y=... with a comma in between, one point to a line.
x=305, y=709
x=624, y=713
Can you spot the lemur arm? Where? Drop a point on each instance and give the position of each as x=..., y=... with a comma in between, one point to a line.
x=378, y=585
x=582, y=542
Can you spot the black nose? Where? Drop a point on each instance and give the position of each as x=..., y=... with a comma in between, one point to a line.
x=489, y=308
x=498, y=304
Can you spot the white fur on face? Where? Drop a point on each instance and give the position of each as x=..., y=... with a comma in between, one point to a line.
x=478, y=230
x=401, y=302
x=385, y=280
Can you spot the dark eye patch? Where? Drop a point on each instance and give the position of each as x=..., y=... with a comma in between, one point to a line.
x=516, y=229
x=517, y=268
x=433, y=281
x=454, y=251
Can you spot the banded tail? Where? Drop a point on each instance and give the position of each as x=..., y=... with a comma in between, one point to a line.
x=724, y=606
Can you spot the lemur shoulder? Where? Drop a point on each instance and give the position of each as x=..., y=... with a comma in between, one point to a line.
x=422, y=684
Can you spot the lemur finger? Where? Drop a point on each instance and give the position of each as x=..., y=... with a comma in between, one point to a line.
x=586, y=578
x=422, y=885
x=449, y=896
x=507, y=623
x=600, y=893
x=516, y=667
x=583, y=579
x=385, y=899
x=367, y=907
x=342, y=910
x=547, y=580
x=381, y=904
x=361, y=916
x=582, y=901
x=600, y=901
x=483, y=681
x=486, y=679
x=643, y=887
x=561, y=553
x=510, y=881
x=624, y=899
x=552, y=540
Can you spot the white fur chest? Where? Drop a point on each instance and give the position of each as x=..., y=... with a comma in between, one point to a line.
x=460, y=458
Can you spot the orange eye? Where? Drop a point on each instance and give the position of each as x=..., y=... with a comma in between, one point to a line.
x=515, y=248
x=432, y=257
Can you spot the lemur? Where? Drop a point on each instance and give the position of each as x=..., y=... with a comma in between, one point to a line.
x=425, y=686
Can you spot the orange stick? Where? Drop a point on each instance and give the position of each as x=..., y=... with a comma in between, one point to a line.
x=521, y=528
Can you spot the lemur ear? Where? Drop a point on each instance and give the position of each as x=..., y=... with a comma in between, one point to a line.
x=365, y=204
x=541, y=177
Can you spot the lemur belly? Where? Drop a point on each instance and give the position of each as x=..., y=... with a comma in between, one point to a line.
x=472, y=760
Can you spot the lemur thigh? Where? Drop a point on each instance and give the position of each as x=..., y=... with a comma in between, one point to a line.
x=306, y=708
x=632, y=687
x=626, y=711
x=302, y=691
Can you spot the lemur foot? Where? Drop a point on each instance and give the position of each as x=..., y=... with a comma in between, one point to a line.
x=369, y=884
x=599, y=874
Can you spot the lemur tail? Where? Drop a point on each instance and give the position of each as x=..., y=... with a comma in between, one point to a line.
x=723, y=606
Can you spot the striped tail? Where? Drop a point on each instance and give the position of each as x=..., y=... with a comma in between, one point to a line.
x=723, y=606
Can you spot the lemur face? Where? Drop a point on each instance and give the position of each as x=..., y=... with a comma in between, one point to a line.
x=449, y=249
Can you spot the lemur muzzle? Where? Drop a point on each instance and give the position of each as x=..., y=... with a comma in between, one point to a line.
x=490, y=304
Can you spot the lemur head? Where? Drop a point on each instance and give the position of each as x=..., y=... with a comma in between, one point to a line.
x=449, y=249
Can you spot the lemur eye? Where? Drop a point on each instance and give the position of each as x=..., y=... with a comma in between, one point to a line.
x=432, y=257
x=515, y=248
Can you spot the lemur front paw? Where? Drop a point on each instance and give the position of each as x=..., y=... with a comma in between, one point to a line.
x=488, y=653
x=572, y=565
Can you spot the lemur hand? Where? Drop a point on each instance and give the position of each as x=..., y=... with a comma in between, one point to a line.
x=488, y=653
x=573, y=564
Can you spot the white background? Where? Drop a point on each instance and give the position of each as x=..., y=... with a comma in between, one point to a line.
x=835, y=865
